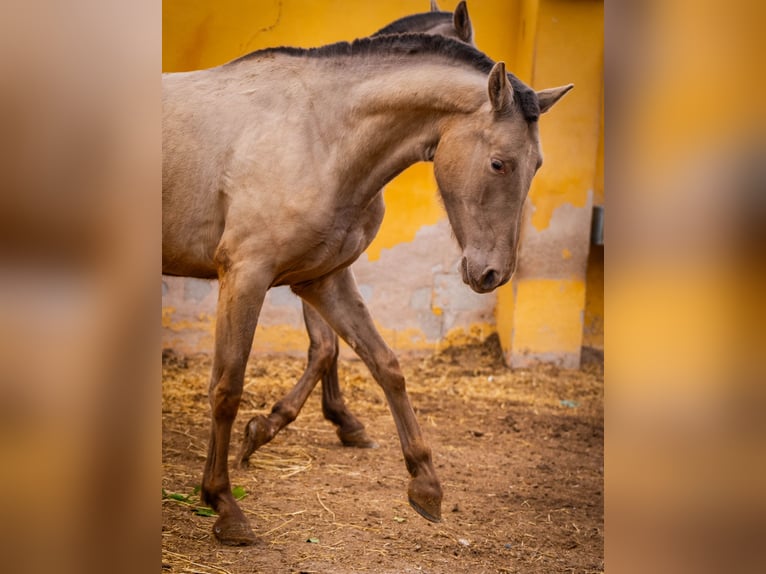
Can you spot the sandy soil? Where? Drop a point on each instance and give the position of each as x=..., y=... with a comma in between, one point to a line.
x=519, y=454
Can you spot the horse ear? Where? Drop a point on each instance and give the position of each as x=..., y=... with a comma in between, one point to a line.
x=434, y=6
x=550, y=96
x=462, y=22
x=500, y=94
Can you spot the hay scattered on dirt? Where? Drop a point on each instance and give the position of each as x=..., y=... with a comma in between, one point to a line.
x=519, y=454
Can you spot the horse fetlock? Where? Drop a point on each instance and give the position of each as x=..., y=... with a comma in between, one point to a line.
x=417, y=457
x=224, y=401
x=214, y=493
x=356, y=438
x=333, y=411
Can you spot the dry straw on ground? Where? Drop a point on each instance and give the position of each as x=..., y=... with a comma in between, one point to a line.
x=519, y=453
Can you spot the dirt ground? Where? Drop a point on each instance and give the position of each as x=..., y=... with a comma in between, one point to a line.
x=519, y=454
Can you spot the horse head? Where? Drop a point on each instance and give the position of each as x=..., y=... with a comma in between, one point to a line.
x=484, y=183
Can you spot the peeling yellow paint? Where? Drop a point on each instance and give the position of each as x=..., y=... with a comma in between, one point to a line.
x=566, y=253
x=504, y=315
x=437, y=311
x=410, y=339
x=458, y=336
x=280, y=339
x=416, y=340
x=287, y=339
x=412, y=202
x=544, y=204
x=167, y=316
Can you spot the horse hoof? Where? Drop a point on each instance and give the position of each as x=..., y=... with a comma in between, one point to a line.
x=357, y=439
x=426, y=499
x=256, y=435
x=232, y=532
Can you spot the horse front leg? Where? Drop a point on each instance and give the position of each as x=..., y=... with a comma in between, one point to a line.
x=337, y=298
x=322, y=364
x=240, y=298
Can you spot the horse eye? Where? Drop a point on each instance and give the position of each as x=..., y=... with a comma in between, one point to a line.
x=497, y=165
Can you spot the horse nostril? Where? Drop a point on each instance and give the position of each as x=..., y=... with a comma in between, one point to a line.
x=489, y=280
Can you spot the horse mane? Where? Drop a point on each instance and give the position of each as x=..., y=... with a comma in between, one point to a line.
x=415, y=22
x=412, y=44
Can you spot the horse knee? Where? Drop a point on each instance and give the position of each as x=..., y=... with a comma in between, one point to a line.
x=390, y=373
x=224, y=399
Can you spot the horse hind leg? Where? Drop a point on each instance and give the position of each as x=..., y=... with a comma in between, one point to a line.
x=349, y=429
x=322, y=364
x=239, y=302
x=324, y=341
x=260, y=429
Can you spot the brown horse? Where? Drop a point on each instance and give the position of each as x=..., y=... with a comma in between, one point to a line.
x=273, y=166
x=323, y=347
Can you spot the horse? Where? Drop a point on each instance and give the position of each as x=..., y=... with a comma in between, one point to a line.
x=273, y=166
x=323, y=342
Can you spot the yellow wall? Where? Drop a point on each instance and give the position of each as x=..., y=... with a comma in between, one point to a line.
x=569, y=49
x=544, y=42
x=541, y=314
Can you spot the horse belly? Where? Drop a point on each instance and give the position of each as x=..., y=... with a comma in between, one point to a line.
x=193, y=208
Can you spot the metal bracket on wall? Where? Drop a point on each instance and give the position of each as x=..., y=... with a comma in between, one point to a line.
x=597, y=225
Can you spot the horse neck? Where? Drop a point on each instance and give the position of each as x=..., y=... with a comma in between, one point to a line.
x=394, y=117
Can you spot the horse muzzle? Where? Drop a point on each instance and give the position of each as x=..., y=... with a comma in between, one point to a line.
x=483, y=278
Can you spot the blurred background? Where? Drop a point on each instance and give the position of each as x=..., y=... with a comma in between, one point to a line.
x=554, y=306
x=80, y=148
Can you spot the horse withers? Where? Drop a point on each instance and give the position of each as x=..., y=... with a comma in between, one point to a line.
x=270, y=178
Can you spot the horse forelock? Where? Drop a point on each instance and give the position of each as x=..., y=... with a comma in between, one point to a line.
x=527, y=99
x=412, y=45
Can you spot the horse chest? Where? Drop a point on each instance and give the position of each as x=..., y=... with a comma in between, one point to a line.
x=340, y=243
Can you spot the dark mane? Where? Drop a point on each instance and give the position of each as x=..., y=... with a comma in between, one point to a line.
x=415, y=22
x=411, y=44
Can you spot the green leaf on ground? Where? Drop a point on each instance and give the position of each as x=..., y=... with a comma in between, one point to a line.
x=175, y=496
x=205, y=511
x=239, y=492
x=193, y=499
